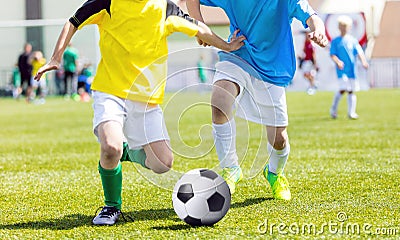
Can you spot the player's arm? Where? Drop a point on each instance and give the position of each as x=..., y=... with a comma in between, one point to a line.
x=91, y=12
x=363, y=60
x=317, y=28
x=193, y=7
x=210, y=38
x=63, y=40
x=204, y=37
x=179, y=21
x=339, y=63
x=362, y=57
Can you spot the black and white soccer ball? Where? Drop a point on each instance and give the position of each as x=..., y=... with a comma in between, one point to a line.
x=201, y=197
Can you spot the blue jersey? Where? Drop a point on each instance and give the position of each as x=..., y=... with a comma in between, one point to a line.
x=346, y=49
x=268, y=53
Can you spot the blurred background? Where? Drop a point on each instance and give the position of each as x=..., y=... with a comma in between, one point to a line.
x=39, y=23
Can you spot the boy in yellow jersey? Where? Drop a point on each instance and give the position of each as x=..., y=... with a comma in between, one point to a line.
x=129, y=84
x=37, y=61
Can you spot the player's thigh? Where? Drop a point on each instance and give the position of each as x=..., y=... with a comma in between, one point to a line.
x=277, y=136
x=110, y=135
x=144, y=125
x=109, y=115
x=224, y=93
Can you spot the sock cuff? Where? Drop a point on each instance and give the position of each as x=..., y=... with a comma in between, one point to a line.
x=225, y=128
x=283, y=151
x=110, y=172
x=138, y=156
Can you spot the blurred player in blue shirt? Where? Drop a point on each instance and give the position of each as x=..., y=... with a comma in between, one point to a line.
x=344, y=52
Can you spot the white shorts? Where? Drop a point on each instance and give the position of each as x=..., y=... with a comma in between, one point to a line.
x=141, y=125
x=348, y=84
x=41, y=83
x=258, y=101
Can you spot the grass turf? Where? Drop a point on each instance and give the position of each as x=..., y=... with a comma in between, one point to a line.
x=338, y=169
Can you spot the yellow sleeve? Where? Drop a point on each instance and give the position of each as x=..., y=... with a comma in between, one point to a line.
x=179, y=24
x=91, y=12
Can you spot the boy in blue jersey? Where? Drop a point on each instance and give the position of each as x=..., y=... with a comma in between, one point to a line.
x=344, y=52
x=255, y=77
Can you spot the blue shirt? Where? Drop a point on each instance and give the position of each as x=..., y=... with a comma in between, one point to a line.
x=268, y=53
x=346, y=49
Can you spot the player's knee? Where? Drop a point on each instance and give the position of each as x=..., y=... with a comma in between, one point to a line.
x=111, y=151
x=219, y=113
x=165, y=164
x=280, y=141
x=279, y=144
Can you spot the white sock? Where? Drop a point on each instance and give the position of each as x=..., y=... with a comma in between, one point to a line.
x=352, y=103
x=336, y=100
x=278, y=158
x=225, y=143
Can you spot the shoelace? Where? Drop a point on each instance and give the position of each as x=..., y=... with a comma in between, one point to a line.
x=106, y=214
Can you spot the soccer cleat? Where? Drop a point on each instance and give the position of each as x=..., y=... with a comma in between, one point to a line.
x=279, y=185
x=311, y=91
x=107, y=216
x=353, y=116
x=232, y=176
x=333, y=114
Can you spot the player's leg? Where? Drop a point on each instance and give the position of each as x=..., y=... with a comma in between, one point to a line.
x=28, y=91
x=156, y=156
x=147, y=136
x=343, y=86
x=223, y=96
x=108, y=122
x=110, y=169
x=278, y=149
x=34, y=88
x=65, y=80
x=352, y=99
x=272, y=110
x=159, y=156
x=309, y=75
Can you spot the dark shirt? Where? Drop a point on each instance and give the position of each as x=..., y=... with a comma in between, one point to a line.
x=23, y=65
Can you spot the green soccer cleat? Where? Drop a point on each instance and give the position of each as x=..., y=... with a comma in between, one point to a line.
x=279, y=185
x=232, y=176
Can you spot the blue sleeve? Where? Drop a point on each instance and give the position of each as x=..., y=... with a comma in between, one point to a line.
x=333, y=50
x=301, y=10
x=210, y=3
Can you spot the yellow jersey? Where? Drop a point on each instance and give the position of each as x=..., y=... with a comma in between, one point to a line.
x=133, y=44
x=36, y=64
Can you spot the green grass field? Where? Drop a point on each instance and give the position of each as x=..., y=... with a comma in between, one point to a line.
x=344, y=174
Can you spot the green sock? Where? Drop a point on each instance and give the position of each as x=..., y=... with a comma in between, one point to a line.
x=112, y=185
x=137, y=156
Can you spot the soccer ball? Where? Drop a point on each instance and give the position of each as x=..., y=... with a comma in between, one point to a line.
x=201, y=197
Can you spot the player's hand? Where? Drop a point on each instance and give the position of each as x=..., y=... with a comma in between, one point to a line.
x=202, y=43
x=365, y=65
x=340, y=64
x=52, y=65
x=319, y=38
x=236, y=42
